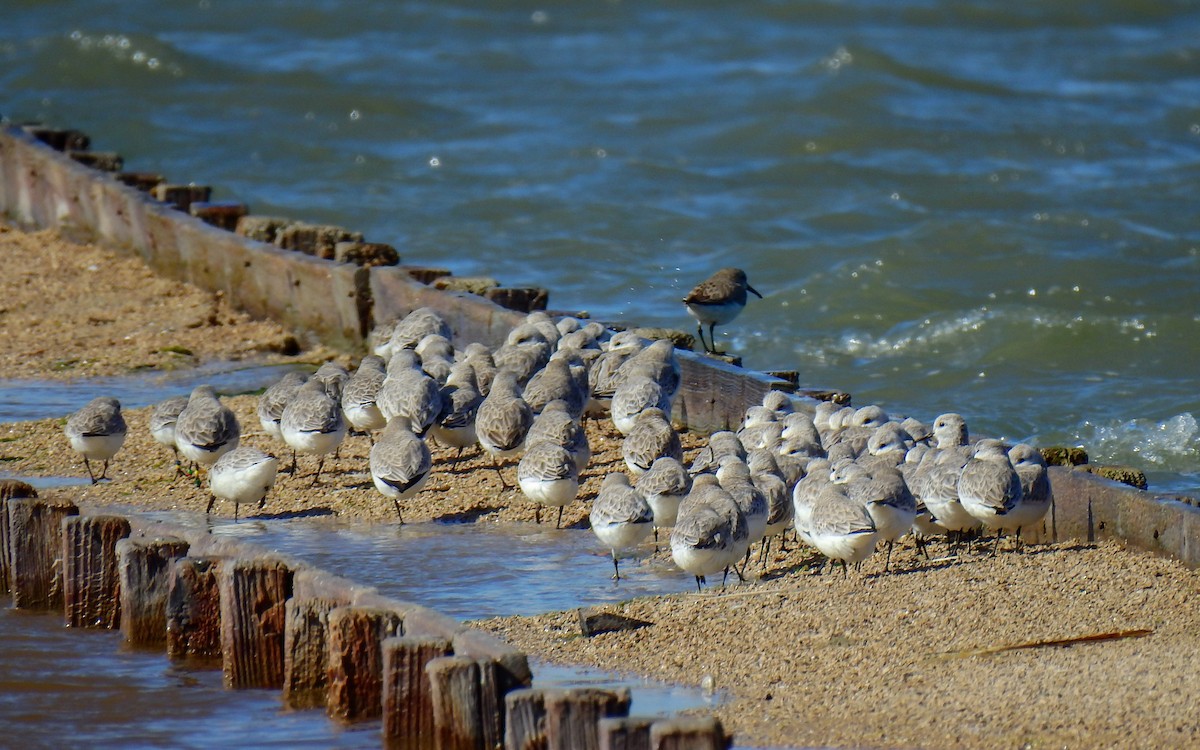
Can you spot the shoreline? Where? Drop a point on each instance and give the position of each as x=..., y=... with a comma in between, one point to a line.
x=807, y=660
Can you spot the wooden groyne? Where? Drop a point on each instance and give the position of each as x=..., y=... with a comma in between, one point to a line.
x=270, y=621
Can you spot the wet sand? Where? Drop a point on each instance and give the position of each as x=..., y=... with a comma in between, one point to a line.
x=803, y=659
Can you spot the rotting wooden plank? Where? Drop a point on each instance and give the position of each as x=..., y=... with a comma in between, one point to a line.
x=91, y=584
x=35, y=551
x=691, y=733
x=306, y=650
x=525, y=720
x=9, y=489
x=624, y=732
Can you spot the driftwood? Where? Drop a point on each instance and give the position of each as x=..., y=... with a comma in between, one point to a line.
x=35, y=550
x=624, y=733
x=253, y=592
x=194, y=609
x=1071, y=641
x=356, y=634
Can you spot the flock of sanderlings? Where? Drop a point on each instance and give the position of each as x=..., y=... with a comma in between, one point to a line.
x=847, y=481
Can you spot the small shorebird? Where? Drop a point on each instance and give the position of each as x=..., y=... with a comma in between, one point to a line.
x=547, y=475
x=400, y=462
x=989, y=487
x=312, y=423
x=1036, y=494
x=621, y=518
x=664, y=486
x=503, y=420
x=97, y=432
x=408, y=391
x=718, y=299
x=651, y=438
x=206, y=429
x=162, y=425
x=359, y=394
x=243, y=475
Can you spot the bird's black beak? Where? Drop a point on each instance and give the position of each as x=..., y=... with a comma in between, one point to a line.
x=752, y=289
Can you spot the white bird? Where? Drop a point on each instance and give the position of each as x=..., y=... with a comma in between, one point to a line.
x=664, y=486
x=97, y=432
x=400, y=462
x=312, y=423
x=840, y=527
x=408, y=391
x=710, y=532
x=547, y=475
x=883, y=492
x=503, y=420
x=273, y=400
x=206, y=429
x=162, y=425
x=988, y=487
x=243, y=475
x=1036, y=493
x=360, y=393
x=650, y=438
x=621, y=518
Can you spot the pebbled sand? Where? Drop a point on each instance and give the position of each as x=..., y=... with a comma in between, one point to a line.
x=801, y=659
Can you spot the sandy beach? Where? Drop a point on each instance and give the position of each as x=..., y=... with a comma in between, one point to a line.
x=801, y=659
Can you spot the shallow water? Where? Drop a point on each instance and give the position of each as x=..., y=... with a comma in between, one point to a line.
x=27, y=400
x=966, y=205
x=467, y=571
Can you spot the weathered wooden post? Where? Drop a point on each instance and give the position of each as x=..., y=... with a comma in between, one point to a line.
x=194, y=609
x=502, y=670
x=454, y=686
x=572, y=715
x=91, y=590
x=525, y=720
x=9, y=489
x=624, y=733
x=315, y=594
x=142, y=567
x=35, y=551
x=699, y=733
x=356, y=635
x=253, y=592
x=407, y=693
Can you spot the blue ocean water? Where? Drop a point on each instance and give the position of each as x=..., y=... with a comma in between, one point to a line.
x=966, y=205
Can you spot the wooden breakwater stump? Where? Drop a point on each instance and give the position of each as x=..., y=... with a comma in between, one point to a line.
x=9, y=489
x=407, y=693
x=356, y=635
x=35, y=541
x=194, y=609
x=143, y=565
x=91, y=583
x=624, y=733
x=454, y=691
x=525, y=720
x=253, y=594
x=572, y=715
x=692, y=733
x=315, y=594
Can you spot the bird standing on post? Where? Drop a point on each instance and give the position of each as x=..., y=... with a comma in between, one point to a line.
x=718, y=299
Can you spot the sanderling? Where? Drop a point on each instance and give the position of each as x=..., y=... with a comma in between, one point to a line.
x=988, y=487
x=718, y=299
x=886, y=496
x=273, y=400
x=524, y=352
x=360, y=393
x=1036, y=493
x=503, y=420
x=312, y=423
x=650, y=438
x=97, y=432
x=243, y=475
x=710, y=532
x=734, y=476
x=206, y=429
x=555, y=381
x=408, y=391
x=400, y=462
x=334, y=376
x=664, y=486
x=720, y=444
x=621, y=518
x=634, y=396
x=556, y=424
x=840, y=527
x=455, y=426
x=547, y=475
x=412, y=328
x=162, y=425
